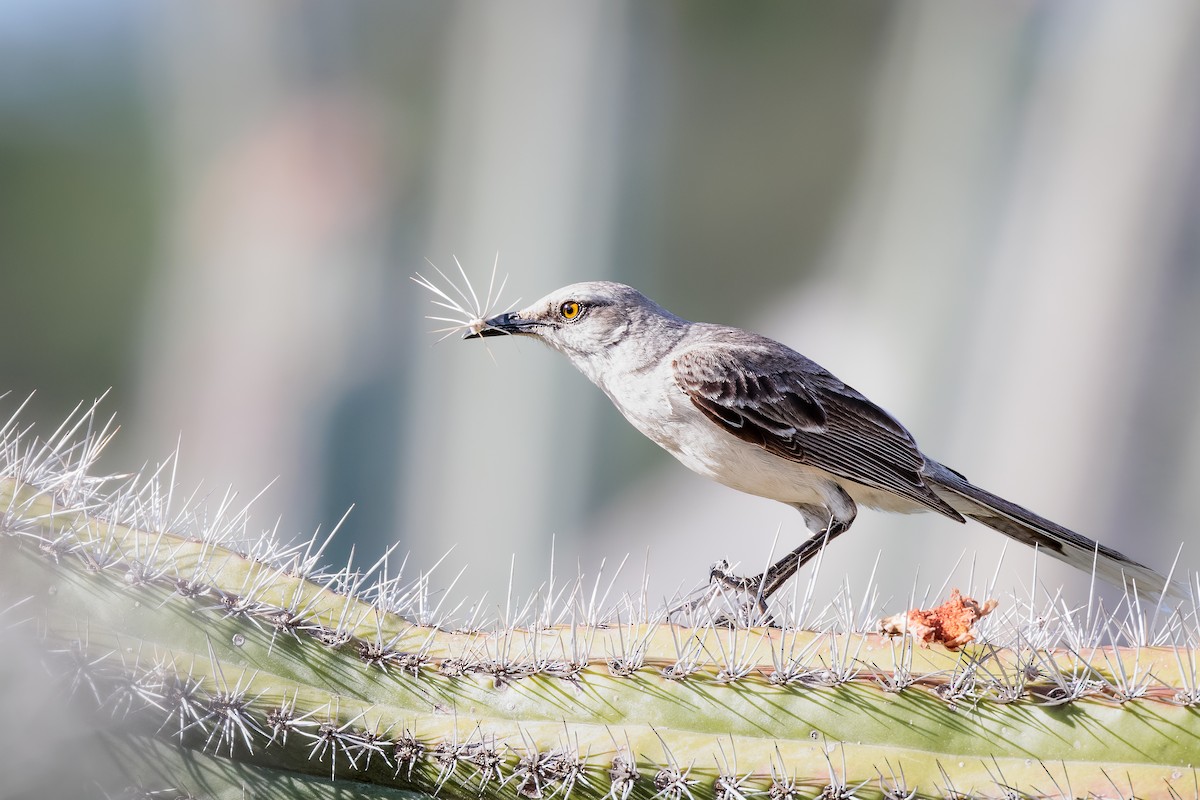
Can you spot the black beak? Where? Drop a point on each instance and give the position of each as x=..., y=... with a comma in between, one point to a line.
x=503, y=325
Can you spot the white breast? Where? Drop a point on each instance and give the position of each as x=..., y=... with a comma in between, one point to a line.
x=658, y=408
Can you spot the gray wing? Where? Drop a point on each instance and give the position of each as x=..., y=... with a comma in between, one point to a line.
x=790, y=406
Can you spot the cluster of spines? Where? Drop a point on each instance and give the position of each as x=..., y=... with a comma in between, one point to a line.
x=226, y=720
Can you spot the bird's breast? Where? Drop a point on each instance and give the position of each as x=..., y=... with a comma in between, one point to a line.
x=667, y=416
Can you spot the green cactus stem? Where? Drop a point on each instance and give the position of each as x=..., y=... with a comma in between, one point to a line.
x=222, y=667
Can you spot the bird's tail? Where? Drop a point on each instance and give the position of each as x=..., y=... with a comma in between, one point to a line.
x=1049, y=537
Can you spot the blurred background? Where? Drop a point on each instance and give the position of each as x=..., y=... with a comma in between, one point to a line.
x=985, y=216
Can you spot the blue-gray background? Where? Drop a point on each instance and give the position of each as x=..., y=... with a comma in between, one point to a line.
x=983, y=215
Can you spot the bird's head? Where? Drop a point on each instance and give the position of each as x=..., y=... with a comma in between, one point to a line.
x=583, y=321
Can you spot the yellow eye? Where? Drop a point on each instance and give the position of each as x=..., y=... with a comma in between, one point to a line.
x=570, y=309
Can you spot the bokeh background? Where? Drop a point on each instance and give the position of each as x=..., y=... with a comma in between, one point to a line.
x=986, y=216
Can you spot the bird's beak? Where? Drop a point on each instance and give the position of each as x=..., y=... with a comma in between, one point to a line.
x=504, y=325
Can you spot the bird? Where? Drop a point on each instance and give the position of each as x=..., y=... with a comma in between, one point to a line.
x=757, y=416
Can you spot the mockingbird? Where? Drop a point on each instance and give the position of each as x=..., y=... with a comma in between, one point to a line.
x=756, y=415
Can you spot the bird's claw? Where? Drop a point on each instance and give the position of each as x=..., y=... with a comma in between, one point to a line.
x=749, y=607
x=719, y=574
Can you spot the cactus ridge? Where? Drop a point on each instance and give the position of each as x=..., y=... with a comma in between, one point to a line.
x=187, y=628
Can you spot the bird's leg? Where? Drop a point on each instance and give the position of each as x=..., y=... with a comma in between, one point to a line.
x=764, y=585
x=783, y=569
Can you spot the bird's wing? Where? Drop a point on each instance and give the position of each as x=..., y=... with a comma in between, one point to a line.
x=795, y=409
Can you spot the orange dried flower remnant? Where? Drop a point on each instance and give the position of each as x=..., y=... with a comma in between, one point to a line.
x=951, y=624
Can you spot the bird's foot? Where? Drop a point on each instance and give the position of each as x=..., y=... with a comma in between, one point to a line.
x=749, y=606
x=720, y=575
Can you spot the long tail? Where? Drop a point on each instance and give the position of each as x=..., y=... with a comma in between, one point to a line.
x=1049, y=537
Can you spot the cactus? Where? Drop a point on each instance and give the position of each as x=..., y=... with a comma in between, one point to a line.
x=216, y=664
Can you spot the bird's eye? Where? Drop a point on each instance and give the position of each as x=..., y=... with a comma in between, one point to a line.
x=570, y=310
